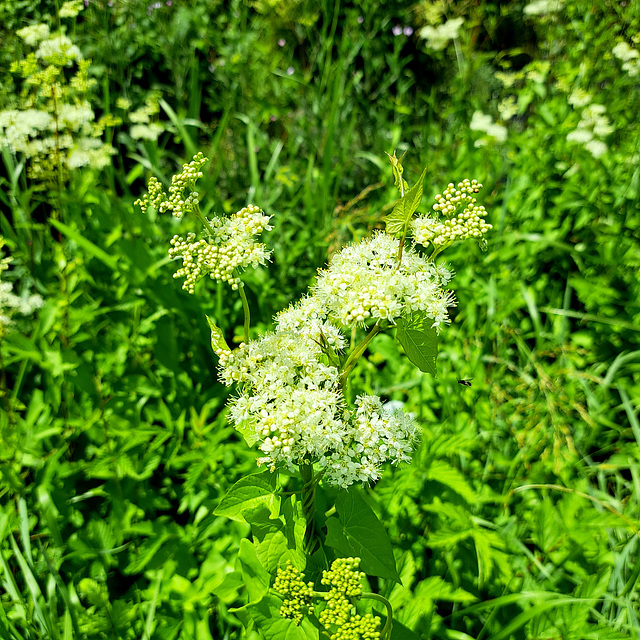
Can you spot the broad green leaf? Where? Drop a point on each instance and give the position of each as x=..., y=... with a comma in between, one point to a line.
x=419, y=340
x=402, y=213
x=435, y=588
x=217, y=338
x=266, y=615
x=357, y=532
x=249, y=492
x=256, y=578
x=278, y=540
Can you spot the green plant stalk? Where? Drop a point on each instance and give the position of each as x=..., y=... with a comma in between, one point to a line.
x=386, y=630
x=358, y=351
x=247, y=312
x=308, y=500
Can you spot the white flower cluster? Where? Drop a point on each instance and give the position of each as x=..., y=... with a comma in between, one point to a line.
x=10, y=303
x=464, y=218
x=231, y=247
x=33, y=33
x=542, y=7
x=365, y=281
x=437, y=38
x=58, y=50
x=593, y=126
x=292, y=404
x=629, y=56
x=483, y=122
x=579, y=98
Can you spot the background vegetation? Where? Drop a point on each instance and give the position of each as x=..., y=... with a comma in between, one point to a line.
x=519, y=515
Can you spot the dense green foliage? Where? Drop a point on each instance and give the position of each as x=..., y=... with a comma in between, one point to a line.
x=519, y=516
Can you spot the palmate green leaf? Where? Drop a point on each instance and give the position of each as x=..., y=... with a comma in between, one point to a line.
x=249, y=492
x=443, y=472
x=419, y=340
x=402, y=213
x=217, y=337
x=357, y=532
x=435, y=588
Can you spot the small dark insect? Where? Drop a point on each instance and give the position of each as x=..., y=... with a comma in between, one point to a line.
x=466, y=383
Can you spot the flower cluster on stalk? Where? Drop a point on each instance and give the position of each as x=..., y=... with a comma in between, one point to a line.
x=339, y=613
x=227, y=245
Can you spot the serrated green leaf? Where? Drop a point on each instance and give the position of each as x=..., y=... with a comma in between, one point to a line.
x=248, y=493
x=419, y=340
x=436, y=588
x=217, y=338
x=402, y=213
x=357, y=532
x=442, y=472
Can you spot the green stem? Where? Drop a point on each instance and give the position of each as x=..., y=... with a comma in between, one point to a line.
x=247, y=312
x=358, y=351
x=308, y=499
x=205, y=222
x=386, y=630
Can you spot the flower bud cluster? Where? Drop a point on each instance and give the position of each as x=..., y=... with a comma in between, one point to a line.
x=297, y=595
x=359, y=628
x=345, y=584
x=364, y=281
x=231, y=247
x=176, y=201
x=464, y=218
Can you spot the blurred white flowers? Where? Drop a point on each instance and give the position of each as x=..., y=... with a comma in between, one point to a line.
x=494, y=132
x=437, y=38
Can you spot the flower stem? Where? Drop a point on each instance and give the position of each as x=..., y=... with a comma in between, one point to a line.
x=386, y=630
x=247, y=312
x=358, y=351
x=308, y=499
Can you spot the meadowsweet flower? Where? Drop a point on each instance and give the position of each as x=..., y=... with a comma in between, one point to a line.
x=457, y=217
x=375, y=436
x=542, y=7
x=70, y=9
x=437, y=38
x=508, y=108
x=34, y=33
x=149, y=131
x=230, y=247
x=579, y=98
x=10, y=303
x=296, y=594
x=364, y=281
x=629, y=56
x=483, y=122
x=593, y=126
x=59, y=51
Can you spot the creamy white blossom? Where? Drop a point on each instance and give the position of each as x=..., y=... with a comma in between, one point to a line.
x=483, y=122
x=364, y=281
x=438, y=38
x=58, y=50
x=33, y=33
x=230, y=247
x=542, y=7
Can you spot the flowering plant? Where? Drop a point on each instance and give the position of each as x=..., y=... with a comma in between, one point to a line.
x=294, y=399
